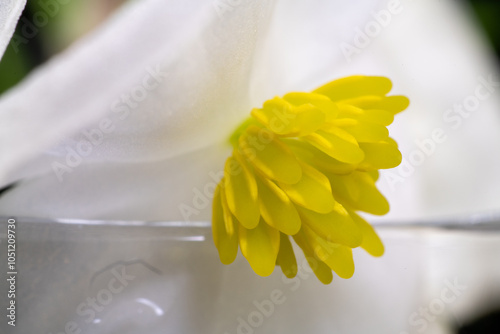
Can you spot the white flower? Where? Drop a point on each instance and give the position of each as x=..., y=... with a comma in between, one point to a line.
x=193, y=73
x=131, y=121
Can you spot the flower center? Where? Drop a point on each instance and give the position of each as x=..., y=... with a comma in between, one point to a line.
x=301, y=167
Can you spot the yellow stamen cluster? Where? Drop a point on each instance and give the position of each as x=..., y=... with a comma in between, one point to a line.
x=302, y=166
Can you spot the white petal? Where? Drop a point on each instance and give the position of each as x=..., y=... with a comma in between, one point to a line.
x=179, y=189
x=10, y=10
x=185, y=68
x=303, y=45
x=416, y=60
x=438, y=66
x=203, y=98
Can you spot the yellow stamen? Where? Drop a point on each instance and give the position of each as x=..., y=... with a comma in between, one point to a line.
x=301, y=167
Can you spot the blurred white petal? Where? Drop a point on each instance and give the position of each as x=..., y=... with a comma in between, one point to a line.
x=435, y=55
x=186, y=72
x=218, y=68
x=10, y=10
x=145, y=191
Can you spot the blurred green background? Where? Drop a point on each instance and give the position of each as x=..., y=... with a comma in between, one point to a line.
x=54, y=29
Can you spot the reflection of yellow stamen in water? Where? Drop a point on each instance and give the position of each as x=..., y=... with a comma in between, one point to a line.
x=302, y=166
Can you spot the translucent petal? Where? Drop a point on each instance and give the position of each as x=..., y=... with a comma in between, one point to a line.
x=227, y=244
x=286, y=257
x=161, y=77
x=310, y=154
x=358, y=191
x=336, y=226
x=260, y=246
x=382, y=155
x=276, y=208
x=337, y=257
x=353, y=86
x=286, y=119
x=313, y=191
x=269, y=155
x=241, y=192
x=320, y=269
x=338, y=144
x=371, y=241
